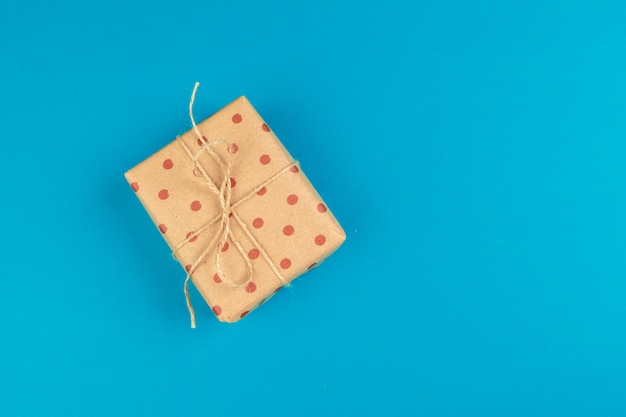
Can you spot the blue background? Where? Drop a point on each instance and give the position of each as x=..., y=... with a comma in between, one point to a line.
x=473, y=151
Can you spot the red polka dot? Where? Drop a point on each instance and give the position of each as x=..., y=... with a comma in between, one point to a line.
x=262, y=191
x=313, y=265
x=225, y=247
x=237, y=118
x=285, y=263
x=265, y=127
x=163, y=228
x=265, y=159
x=187, y=268
x=200, y=143
x=244, y=314
x=193, y=239
x=257, y=223
x=164, y=194
x=217, y=278
x=254, y=253
x=288, y=230
x=321, y=208
x=294, y=169
x=217, y=310
x=320, y=240
x=196, y=205
x=233, y=182
x=196, y=173
x=134, y=186
x=250, y=287
x=168, y=164
x=233, y=148
x=292, y=199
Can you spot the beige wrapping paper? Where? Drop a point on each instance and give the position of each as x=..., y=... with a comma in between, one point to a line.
x=280, y=227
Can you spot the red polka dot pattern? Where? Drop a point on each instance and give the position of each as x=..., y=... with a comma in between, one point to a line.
x=265, y=159
x=285, y=263
x=265, y=127
x=168, y=164
x=217, y=278
x=244, y=314
x=254, y=253
x=193, y=239
x=292, y=199
x=187, y=268
x=320, y=240
x=237, y=118
x=262, y=191
x=163, y=228
x=288, y=230
x=233, y=148
x=196, y=206
x=233, y=182
x=294, y=169
x=135, y=186
x=164, y=194
x=250, y=287
x=321, y=208
x=225, y=247
x=257, y=223
x=217, y=310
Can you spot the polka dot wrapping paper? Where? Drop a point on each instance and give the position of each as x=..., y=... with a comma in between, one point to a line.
x=245, y=236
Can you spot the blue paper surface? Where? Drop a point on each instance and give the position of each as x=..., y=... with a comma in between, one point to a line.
x=473, y=152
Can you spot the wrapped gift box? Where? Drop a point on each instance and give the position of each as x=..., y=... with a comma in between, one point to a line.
x=236, y=209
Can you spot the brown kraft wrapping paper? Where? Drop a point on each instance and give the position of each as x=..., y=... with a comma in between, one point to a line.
x=243, y=237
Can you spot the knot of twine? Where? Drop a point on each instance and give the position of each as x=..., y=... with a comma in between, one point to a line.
x=223, y=192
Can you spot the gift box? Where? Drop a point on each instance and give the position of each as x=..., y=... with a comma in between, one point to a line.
x=236, y=210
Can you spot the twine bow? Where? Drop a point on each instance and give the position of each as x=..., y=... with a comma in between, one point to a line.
x=223, y=193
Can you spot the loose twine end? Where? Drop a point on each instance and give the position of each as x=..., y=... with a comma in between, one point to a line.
x=192, y=313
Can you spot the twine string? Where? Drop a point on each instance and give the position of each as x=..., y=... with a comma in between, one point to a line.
x=224, y=232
